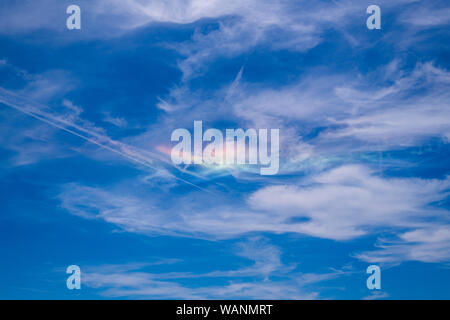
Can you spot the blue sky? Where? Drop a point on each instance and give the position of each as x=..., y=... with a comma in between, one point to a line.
x=86, y=118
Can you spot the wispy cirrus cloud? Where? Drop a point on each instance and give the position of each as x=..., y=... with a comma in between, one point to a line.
x=351, y=201
x=427, y=244
x=268, y=278
x=311, y=69
x=341, y=204
x=71, y=122
x=396, y=115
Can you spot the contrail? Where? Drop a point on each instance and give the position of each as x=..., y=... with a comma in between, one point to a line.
x=25, y=106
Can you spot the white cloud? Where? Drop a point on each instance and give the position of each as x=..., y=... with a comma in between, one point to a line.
x=427, y=17
x=117, y=121
x=32, y=140
x=31, y=144
x=340, y=204
x=428, y=244
x=308, y=102
x=351, y=201
x=389, y=107
x=67, y=118
x=186, y=11
x=253, y=282
x=49, y=85
x=397, y=115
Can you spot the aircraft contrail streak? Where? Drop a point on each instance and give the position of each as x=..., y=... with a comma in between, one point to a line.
x=18, y=103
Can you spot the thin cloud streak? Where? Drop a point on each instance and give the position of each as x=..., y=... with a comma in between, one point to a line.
x=14, y=101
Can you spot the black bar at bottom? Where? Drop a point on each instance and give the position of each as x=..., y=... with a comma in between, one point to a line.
x=221, y=309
